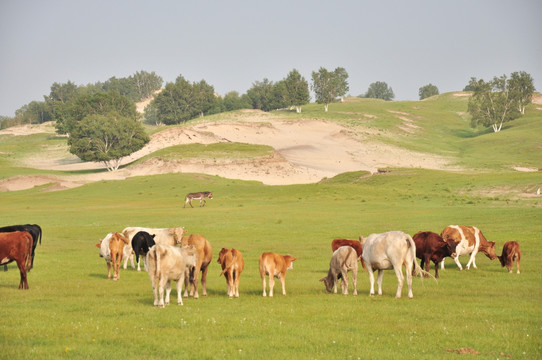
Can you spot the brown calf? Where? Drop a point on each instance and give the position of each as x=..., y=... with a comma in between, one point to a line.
x=232, y=264
x=204, y=254
x=356, y=244
x=17, y=246
x=116, y=247
x=275, y=265
x=510, y=252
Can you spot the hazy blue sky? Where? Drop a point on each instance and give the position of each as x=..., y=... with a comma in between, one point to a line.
x=231, y=44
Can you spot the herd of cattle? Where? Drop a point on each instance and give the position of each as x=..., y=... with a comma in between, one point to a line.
x=170, y=255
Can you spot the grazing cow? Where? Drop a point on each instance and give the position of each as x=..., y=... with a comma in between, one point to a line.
x=166, y=263
x=17, y=246
x=141, y=243
x=356, y=244
x=197, y=196
x=117, y=242
x=431, y=247
x=275, y=265
x=232, y=264
x=105, y=252
x=32, y=229
x=204, y=253
x=510, y=252
x=390, y=250
x=164, y=236
x=469, y=240
x=343, y=260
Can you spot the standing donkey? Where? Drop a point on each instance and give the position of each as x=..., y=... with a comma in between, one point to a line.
x=197, y=196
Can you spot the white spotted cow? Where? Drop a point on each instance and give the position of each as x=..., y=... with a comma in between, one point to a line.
x=470, y=240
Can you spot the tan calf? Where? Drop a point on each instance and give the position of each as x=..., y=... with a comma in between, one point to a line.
x=510, y=253
x=275, y=265
x=116, y=247
x=204, y=253
x=232, y=264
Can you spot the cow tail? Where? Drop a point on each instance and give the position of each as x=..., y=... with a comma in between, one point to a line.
x=157, y=262
x=348, y=256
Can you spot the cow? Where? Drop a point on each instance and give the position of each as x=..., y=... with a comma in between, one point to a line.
x=105, y=252
x=431, y=247
x=117, y=242
x=390, y=250
x=204, y=253
x=232, y=264
x=32, y=229
x=197, y=196
x=166, y=263
x=510, y=252
x=356, y=244
x=275, y=265
x=141, y=243
x=166, y=236
x=343, y=260
x=17, y=246
x=469, y=240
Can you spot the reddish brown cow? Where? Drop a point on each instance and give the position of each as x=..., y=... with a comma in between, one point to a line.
x=232, y=264
x=17, y=246
x=275, y=265
x=510, y=252
x=356, y=244
x=431, y=247
x=116, y=246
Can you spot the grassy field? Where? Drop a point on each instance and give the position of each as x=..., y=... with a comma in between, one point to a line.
x=73, y=311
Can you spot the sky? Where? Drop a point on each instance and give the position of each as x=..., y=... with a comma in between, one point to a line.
x=232, y=44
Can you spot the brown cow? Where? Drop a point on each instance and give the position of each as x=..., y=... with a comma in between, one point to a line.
x=356, y=244
x=116, y=246
x=431, y=247
x=510, y=252
x=17, y=246
x=275, y=265
x=204, y=253
x=469, y=240
x=232, y=264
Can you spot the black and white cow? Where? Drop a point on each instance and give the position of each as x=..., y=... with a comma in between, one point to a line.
x=141, y=243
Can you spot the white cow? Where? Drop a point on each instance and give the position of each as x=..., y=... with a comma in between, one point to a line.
x=390, y=250
x=105, y=252
x=343, y=260
x=165, y=236
x=166, y=263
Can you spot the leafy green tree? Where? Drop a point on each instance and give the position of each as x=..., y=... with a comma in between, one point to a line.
x=297, y=90
x=36, y=112
x=106, y=138
x=522, y=86
x=327, y=86
x=493, y=103
x=146, y=84
x=232, y=101
x=380, y=90
x=341, y=82
x=261, y=94
x=427, y=91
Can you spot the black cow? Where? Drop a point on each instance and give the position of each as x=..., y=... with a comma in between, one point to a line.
x=34, y=230
x=141, y=243
x=431, y=247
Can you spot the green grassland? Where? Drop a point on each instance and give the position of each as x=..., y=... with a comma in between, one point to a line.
x=72, y=311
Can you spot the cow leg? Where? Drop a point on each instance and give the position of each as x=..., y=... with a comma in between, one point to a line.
x=108, y=269
x=138, y=258
x=231, y=283
x=442, y=265
x=194, y=286
x=456, y=259
x=379, y=281
x=436, y=270
x=204, y=280
x=263, y=285
x=344, y=282
x=168, y=291
x=23, y=284
x=237, y=276
x=371, y=280
x=186, y=282
x=472, y=259
x=335, y=281
x=427, y=266
x=271, y=284
x=517, y=262
x=400, y=280
x=355, y=279
x=180, y=290
x=161, y=285
x=283, y=282
x=409, y=277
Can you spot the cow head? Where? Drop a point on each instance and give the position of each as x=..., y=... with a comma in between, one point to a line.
x=222, y=255
x=99, y=245
x=450, y=247
x=502, y=259
x=289, y=261
x=327, y=283
x=490, y=250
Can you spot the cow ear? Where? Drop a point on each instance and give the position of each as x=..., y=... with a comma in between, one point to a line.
x=322, y=279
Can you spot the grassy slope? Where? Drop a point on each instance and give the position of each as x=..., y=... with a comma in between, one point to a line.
x=72, y=310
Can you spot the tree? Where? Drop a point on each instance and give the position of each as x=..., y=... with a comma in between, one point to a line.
x=522, y=86
x=297, y=90
x=427, y=91
x=493, y=103
x=106, y=138
x=232, y=101
x=327, y=86
x=380, y=90
x=260, y=94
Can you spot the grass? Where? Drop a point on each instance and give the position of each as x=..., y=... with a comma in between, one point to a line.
x=73, y=311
